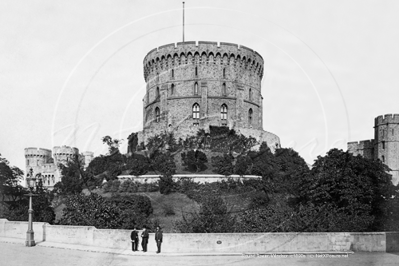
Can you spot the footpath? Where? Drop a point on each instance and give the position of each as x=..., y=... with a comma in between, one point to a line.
x=330, y=254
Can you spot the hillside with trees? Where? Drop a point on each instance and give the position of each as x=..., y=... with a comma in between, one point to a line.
x=340, y=192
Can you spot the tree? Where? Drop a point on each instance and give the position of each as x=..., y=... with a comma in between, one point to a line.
x=351, y=186
x=194, y=161
x=119, y=212
x=243, y=165
x=223, y=165
x=113, y=144
x=137, y=165
x=213, y=217
x=9, y=179
x=41, y=204
x=73, y=176
x=91, y=210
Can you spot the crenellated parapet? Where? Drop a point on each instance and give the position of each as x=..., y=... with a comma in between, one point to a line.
x=386, y=119
x=63, y=153
x=364, y=148
x=237, y=58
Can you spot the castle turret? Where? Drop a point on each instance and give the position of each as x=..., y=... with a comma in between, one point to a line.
x=386, y=144
x=62, y=154
x=36, y=159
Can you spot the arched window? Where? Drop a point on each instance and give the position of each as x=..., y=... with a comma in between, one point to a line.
x=250, y=112
x=172, y=89
x=196, y=111
x=196, y=88
x=223, y=112
x=157, y=93
x=173, y=73
x=224, y=73
x=224, y=90
x=157, y=115
x=250, y=94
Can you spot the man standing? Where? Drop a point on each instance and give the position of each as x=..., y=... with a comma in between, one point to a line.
x=158, y=239
x=144, y=239
x=134, y=236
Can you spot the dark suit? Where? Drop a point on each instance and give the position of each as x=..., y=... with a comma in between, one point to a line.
x=144, y=240
x=134, y=236
x=158, y=239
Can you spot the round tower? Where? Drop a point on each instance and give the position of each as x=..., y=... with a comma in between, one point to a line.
x=36, y=158
x=386, y=142
x=192, y=86
x=64, y=153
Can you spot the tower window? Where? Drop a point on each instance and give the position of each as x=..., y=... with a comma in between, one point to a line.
x=196, y=88
x=383, y=145
x=157, y=115
x=173, y=73
x=250, y=94
x=224, y=73
x=196, y=111
x=172, y=89
x=250, y=113
x=223, y=112
x=224, y=91
x=393, y=131
x=196, y=71
x=383, y=158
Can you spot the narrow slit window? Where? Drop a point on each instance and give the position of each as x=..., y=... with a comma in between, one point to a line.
x=196, y=88
x=157, y=115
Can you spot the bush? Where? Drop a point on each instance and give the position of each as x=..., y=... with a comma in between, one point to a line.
x=166, y=184
x=168, y=210
x=194, y=161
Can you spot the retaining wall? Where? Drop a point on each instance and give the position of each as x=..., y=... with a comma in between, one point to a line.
x=208, y=243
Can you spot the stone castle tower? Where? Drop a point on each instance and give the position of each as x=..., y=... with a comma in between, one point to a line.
x=384, y=146
x=191, y=86
x=42, y=161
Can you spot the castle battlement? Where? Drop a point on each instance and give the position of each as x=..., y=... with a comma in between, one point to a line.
x=65, y=150
x=37, y=152
x=386, y=119
x=172, y=55
x=363, y=143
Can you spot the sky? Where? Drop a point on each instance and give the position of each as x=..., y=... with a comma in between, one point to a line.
x=71, y=71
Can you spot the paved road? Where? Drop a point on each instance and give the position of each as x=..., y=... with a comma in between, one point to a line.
x=18, y=255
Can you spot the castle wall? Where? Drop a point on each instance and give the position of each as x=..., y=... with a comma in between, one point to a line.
x=364, y=148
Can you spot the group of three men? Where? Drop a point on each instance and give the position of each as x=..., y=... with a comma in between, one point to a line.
x=134, y=236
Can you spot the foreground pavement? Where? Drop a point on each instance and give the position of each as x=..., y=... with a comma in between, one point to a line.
x=14, y=253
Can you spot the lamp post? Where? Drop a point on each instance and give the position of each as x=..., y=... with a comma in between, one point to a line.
x=30, y=235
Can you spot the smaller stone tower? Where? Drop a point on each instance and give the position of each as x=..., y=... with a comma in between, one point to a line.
x=88, y=157
x=64, y=153
x=36, y=158
x=386, y=144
